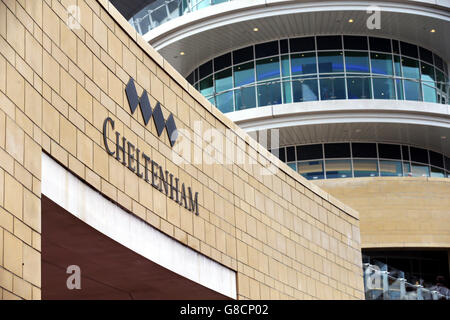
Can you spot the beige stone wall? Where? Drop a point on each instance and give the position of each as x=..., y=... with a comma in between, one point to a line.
x=283, y=236
x=397, y=212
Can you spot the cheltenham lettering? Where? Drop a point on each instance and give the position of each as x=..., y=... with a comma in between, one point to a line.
x=144, y=167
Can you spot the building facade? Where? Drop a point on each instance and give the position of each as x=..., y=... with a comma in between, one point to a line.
x=358, y=91
x=96, y=200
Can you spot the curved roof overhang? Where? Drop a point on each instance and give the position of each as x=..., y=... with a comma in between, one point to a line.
x=405, y=122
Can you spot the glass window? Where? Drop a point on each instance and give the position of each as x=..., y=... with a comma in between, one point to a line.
x=389, y=151
x=279, y=153
x=412, y=90
x=310, y=151
x=337, y=150
x=427, y=73
x=293, y=166
x=365, y=168
x=419, y=155
x=190, y=78
x=205, y=69
x=303, y=63
x=420, y=170
x=224, y=101
x=390, y=168
x=426, y=55
x=381, y=63
x=311, y=170
x=332, y=89
x=364, y=150
x=355, y=42
x=429, y=93
x=290, y=154
x=338, y=169
x=223, y=80
x=357, y=61
x=399, y=88
x=359, y=88
x=245, y=98
x=244, y=74
x=380, y=44
x=397, y=66
x=269, y=93
x=267, y=69
x=405, y=152
x=410, y=68
x=383, y=88
x=284, y=48
x=285, y=66
x=395, y=46
x=305, y=90
x=330, y=62
x=266, y=49
x=438, y=62
x=302, y=44
x=407, y=169
x=438, y=173
x=287, y=91
x=447, y=163
x=206, y=86
x=408, y=49
x=436, y=159
x=222, y=62
x=329, y=42
x=242, y=55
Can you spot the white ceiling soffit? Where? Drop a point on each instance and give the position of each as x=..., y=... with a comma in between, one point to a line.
x=218, y=29
x=415, y=123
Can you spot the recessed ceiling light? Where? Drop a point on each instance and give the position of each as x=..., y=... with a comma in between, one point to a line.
x=350, y=20
x=358, y=130
x=433, y=30
x=182, y=53
x=443, y=137
x=255, y=29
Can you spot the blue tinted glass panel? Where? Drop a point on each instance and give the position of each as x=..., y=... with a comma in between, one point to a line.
x=399, y=88
x=407, y=169
x=412, y=90
x=331, y=89
x=223, y=80
x=438, y=173
x=293, y=166
x=206, y=86
x=365, y=168
x=357, y=61
x=338, y=169
x=381, y=63
x=245, y=98
x=305, y=90
x=244, y=74
x=429, y=93
x=383, y=88
x=390, y=168
x=427, y=74
x=311, y=170
x=330, y=62
x=266, y=49
x=303, y=63
x=285, y=66
x=359, y=88
x=224, y=101
x=420, y=170
x=267, y=69
x=397, y=66
x=410, y=68
x=269, y=94
x=287, y=91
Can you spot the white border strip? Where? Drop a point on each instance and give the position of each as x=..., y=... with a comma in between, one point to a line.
x=83, y=202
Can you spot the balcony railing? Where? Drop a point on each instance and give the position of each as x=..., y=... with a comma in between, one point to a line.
x=159, y=12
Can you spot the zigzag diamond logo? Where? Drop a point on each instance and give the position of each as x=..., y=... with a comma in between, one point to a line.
x=146, y=110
